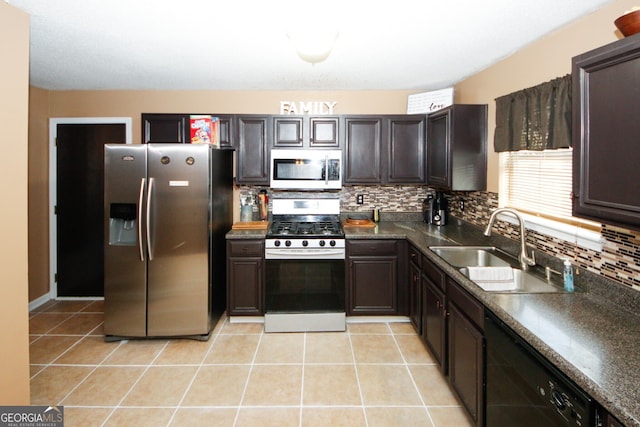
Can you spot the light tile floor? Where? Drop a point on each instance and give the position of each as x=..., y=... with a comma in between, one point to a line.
x=375, y=374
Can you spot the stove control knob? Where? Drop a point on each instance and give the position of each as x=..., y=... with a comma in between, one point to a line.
x=305, y=243
x=332, y=243
x=322, y=243
x=287, y=243
x=276, y=243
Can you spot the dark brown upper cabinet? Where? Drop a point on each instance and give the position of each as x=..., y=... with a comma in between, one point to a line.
x=457, y=148
x=174, y=128
x=384, y=149
x=226, y=130
x=606, y=102
x=306, y=132
x=363, y=150
x=252, y=148
x=165, y=128
x=406, y=149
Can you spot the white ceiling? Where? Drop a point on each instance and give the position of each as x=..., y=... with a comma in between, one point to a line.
x=243, y=44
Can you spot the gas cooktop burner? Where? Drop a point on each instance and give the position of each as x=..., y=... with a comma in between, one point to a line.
x=303, y=228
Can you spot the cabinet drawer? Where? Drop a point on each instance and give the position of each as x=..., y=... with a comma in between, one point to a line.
x=254, y=248
x=415, y=256
x=433, y=272
x=467, y=304
x=372, y=247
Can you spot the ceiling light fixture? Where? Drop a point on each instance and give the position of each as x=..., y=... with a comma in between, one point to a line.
x=313, y=44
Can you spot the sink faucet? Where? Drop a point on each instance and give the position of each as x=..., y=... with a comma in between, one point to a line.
x=525, y=260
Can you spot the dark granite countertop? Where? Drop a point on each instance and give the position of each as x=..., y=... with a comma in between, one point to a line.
x=592, y=336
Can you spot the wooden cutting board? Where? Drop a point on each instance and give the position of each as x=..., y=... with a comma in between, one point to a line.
x=250, y=225
x=350, y=222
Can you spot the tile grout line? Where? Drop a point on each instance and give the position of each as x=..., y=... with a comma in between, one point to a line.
x=246, y=383
x=186, y=390
x=413, y=381
x=304, y=353
x=355, y=367
x=115, y=408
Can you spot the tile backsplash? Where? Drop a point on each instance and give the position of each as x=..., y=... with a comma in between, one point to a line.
x=619, y=259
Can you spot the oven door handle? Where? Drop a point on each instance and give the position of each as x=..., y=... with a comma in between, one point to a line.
x=322, y=254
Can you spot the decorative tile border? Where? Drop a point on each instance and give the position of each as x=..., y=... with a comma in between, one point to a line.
x=619, y=259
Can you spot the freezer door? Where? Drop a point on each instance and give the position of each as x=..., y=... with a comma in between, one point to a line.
x=125, y=268
x=178, y=216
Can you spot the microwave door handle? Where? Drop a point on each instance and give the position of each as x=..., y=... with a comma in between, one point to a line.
x=140, y=199
x=326, y=169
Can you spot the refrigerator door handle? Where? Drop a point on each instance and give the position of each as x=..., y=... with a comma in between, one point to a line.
x=140, y=199
x=149, y=242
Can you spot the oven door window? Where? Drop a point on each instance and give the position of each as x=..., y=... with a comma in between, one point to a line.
x=295, y=286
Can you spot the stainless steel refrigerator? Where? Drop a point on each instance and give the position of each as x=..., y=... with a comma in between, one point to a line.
x=167, y=210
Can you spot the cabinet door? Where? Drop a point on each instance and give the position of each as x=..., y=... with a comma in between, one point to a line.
x=406, y=150
x=253, y=150
x=606, y=101
x=244, y=293
x=415, y=298
x=226, y=130
x=164, y=128
x=323, y=132
x=466, y=361
x=245, y=283
x=287, y=132
x=363, y=153
x=438, y=149
x=457, y=148
x=373, y=287
x=434, y=319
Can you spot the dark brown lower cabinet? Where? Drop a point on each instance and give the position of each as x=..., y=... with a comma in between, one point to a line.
x=434, y=321
x=466, y=362
x=451, y=326
x=415, y=298
x=372, y=277
x=245, y=277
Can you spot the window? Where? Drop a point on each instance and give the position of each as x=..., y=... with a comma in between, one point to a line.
x=539, y=184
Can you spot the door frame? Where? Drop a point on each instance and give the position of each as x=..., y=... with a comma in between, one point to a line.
x=53, y=188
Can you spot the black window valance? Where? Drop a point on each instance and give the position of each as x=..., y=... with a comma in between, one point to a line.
x=536, y=118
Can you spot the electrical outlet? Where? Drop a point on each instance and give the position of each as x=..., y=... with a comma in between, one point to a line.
x=360, y=199
x=461, y=205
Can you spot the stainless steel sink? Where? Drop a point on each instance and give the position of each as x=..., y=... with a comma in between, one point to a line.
x=489, y=257
x=473, y=256
x=523, y=282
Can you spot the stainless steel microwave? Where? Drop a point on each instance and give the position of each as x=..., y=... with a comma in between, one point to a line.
x=306, y=169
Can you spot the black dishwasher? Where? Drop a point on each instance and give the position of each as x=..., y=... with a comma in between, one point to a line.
x=524, y=389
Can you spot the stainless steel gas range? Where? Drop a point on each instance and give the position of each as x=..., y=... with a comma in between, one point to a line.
x=305, y=267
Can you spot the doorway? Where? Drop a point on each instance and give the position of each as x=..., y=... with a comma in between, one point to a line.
x=76, y=199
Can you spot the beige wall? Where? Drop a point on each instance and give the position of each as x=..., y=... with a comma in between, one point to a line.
x=38, y=193
x=541, y=61
x=14, y=313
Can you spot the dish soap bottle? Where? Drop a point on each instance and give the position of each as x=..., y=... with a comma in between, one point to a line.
x=567, y=275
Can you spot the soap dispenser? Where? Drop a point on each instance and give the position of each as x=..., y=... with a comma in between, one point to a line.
x=567, y=276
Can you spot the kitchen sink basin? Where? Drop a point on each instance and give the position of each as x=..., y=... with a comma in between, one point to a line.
x=521, y=282
x=495, y=270
x=473, y=256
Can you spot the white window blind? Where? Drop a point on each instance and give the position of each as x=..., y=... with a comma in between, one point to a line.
x=538, y=182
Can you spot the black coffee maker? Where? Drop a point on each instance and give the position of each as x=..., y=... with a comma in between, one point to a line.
x=434, y=209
